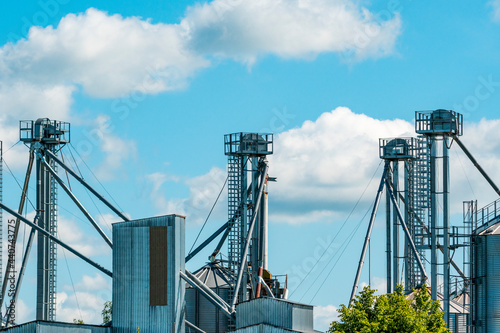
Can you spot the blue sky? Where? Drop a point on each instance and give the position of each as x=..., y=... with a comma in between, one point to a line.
x=151, y=87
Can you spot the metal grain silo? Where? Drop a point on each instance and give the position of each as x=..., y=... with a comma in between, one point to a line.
x=147, y=291
x=486, y=280
x=199, y=310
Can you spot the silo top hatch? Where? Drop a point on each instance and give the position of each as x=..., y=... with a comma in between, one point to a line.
x=397, y=148
x=439, y=122
x=248, y=144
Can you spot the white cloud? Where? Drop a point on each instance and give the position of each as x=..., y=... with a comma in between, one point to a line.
x=245, y=30
x=111, y=56
x=89, y=283
x=323, y=317
x=324, y=166
x=203, y=192
x=107, y=55
x=115, y=149
x=88, y=244
x=495, y=4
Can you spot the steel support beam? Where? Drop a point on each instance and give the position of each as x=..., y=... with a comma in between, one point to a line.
x=48, y=235
x=75, y=200
x=86, y=185
x=210, y=296
x=369, y=232
x=476, y=164
x=207, y=241
x=249, y=236
x=11, y=260
x=446, y=231
x=405, y=229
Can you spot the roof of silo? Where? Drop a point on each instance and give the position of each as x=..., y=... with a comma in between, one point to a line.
x=214, y=276
x=493, y=229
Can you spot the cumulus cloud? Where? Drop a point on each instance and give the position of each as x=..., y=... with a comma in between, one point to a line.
x=244, y=30
x=323, y=166
x=88, y=244
x=110, y=55
x=107, y=55
x=203, y=192
x=323, y=317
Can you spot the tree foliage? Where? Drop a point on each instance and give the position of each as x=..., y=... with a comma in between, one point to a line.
x=390, y=313
x=106, y=312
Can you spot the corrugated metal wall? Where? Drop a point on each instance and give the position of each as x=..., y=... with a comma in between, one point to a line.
x=275, y=312
x=486, y=283
x=131, y=277
x=202, y=313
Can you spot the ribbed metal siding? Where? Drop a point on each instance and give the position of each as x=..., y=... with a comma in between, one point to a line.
x=458, y=323
x=131, y=307
x=275, y=312
x=46, y=327
x=486, y=283
x=202, y=313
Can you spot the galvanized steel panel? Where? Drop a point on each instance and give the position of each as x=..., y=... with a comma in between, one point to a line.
x=262, y=328
x=486, y=283
x=275, y=312
x=131, y=280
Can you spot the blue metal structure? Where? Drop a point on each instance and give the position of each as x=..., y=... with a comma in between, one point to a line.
x=246, y=170
x=41, y=135
x=148, y=293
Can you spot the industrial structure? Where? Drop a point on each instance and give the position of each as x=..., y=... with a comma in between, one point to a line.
x=149, y=275
x=418, y=209
x=153, y=291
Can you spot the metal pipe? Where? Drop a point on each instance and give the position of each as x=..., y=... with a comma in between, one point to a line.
x=259, y=287
x=395, y=229
x=405, y=229
x=433, y=221
x=226, y=234
x=196, y=328
x=476, y=164
x=249, y=236
x=446, y=227
x=48, y=235
x=206, y=289
x=11, y=261
x=268, y=290
x=452, y=262
x=265, y=229
x=368, y=232
x=206, y=295
x=84, y=183
x=75, y=200
x=388, y=243
x=207, y=241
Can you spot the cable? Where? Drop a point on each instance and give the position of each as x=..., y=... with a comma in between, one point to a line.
x=17, y=181
x=116, y=203
x=72, y=284
x=463, y=169
x=348, y=240
x=210, y=213
x=345, y=222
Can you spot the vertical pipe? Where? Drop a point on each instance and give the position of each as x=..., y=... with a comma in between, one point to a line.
x=395, y=228
x=265, y=229
x=369, y=232
x=433, y=172
x=388, y=238
x=43, y=207
x=407, y=168
x=244, y=223
x=446, y=231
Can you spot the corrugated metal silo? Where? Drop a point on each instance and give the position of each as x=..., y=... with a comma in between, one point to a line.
x=199, y=311
x=486, y=280
x=147, y=290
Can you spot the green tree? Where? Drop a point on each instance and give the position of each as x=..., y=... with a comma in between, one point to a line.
x=106, y=312
x=78, y=321
x=390, y=313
